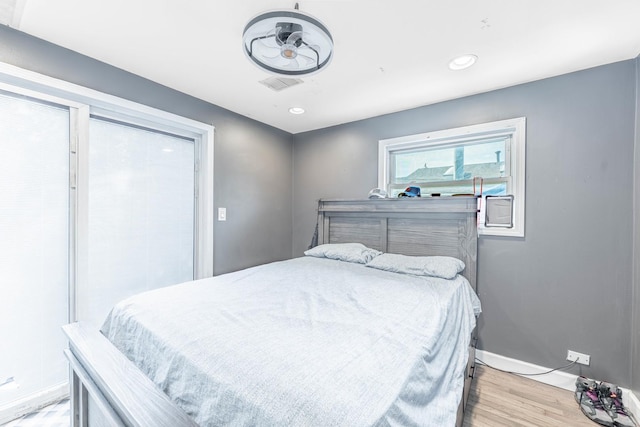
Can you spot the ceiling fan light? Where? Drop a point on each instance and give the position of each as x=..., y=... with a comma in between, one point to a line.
x=287, y=42
x=463, y=61
x=288, y=51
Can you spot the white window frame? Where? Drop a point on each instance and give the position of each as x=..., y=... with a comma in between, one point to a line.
x=513, y=128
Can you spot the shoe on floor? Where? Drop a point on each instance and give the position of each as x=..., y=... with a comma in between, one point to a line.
x=587, y=396
x=611, y=397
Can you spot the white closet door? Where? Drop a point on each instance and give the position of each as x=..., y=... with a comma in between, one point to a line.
x=34, y=246
x=140, y=218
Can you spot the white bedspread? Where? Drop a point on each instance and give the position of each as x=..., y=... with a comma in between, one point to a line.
x=304, y=342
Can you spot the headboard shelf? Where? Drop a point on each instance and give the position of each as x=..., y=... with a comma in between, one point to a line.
x=451, y=204
x=426, y=226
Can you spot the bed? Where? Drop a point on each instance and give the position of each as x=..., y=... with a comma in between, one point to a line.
x=362, y=354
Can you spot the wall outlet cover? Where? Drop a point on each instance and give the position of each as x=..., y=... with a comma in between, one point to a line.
x=574, y=356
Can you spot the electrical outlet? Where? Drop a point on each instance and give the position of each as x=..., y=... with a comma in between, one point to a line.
x=574, y=356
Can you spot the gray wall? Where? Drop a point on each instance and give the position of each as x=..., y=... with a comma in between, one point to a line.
x=249, y=156
x=635, y=339
x=567, y=284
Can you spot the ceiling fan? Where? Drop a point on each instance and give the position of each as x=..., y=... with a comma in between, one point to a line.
x=288, y=42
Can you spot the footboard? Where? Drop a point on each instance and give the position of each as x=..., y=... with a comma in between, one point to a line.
x=109, y=390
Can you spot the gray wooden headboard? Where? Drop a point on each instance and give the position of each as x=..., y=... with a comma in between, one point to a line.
x=410, y=226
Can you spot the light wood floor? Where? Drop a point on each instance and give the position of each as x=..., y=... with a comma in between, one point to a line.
x=501, y=399
x=497, y=399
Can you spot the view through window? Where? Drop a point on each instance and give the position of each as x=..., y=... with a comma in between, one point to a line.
x=450, y=170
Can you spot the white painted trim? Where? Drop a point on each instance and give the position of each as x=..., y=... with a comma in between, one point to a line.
x=33, y=81
x=559, y=379
x=632, y=403
x=32, y=403
x=40, y=96
x=205, y=215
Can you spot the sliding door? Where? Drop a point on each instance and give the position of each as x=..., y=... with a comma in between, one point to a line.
x=34, y=247
x=100, y=199
x=140, y=216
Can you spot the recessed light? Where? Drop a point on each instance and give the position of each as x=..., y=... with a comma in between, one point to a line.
x=463, y=61
x=296, y=110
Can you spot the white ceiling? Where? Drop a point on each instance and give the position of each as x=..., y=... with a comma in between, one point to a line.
x=390, y=55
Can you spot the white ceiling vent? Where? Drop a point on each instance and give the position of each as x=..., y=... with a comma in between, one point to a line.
x=280, y=83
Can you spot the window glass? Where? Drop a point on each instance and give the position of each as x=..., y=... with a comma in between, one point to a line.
x=34, y=246
x=140, y=214
x=447, y=169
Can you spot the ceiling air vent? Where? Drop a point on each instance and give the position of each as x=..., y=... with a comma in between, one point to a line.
x=280, y=83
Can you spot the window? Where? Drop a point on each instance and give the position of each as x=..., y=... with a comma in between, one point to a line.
x=450, y=162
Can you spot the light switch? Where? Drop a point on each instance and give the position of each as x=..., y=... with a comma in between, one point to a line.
x=222, y=214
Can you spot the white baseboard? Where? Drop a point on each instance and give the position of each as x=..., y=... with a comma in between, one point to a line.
x=24, y=406
x=556, y=378
x=632, y=403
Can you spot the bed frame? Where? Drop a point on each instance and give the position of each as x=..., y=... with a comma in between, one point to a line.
x=109, y=390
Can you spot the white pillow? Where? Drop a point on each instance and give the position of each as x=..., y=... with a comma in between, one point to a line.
x=350, y=252
x=435, y=266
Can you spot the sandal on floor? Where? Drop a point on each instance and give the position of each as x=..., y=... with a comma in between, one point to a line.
x=587, y=396
x=611, y=397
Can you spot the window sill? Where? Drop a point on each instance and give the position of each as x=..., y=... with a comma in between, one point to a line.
x=501, y=232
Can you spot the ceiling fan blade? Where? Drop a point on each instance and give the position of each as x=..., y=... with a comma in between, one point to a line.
x=269, y=53
x=310, y=51
x=269, y=58
x=269, y=42
x=291, y=64
x=260, y=44
x=306, y=60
